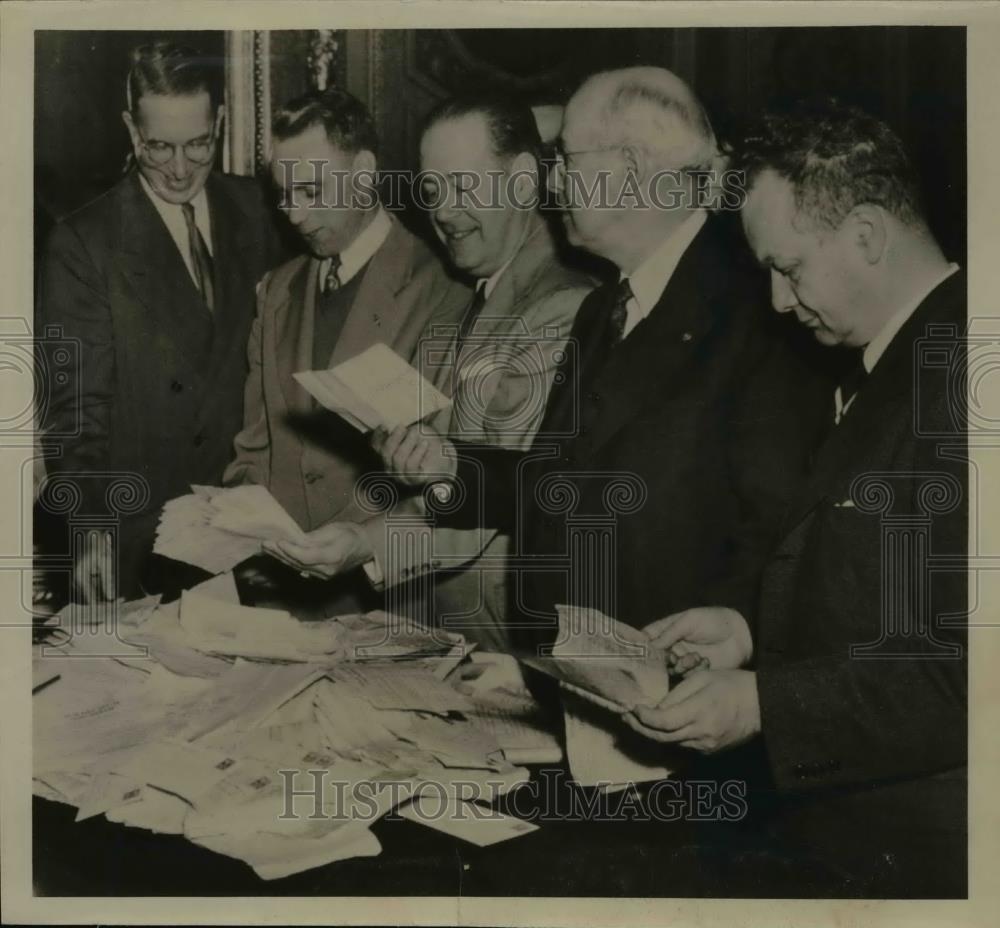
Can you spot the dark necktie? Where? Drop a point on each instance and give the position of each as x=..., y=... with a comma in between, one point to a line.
x=471, y=314
x=619, y=312
x=201, y=260
x=331, y=279
x=851, y=382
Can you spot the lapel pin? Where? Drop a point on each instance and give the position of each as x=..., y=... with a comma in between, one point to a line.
x=686, y=337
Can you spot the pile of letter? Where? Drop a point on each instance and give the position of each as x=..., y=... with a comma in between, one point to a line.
x=180, y=718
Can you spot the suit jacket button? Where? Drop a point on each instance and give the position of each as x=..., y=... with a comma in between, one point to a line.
x=176, y=386
x=199, y=440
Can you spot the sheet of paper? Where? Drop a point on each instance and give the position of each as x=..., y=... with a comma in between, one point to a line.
x=397, y=687
x=221, y=587
x=246, y=631
x=606, y=660
x=601, y=751
x=466, y=820
x=248, y=693
x=217, y=528
x=376, y=387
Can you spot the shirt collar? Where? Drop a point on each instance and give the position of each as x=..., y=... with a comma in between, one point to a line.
x=199, y=201
x=356, y=255
x=877, y=346
x=650, y=279
x=489, y=284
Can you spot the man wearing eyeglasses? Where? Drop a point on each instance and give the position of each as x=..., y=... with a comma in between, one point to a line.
x=680, y=422
x=155, y=281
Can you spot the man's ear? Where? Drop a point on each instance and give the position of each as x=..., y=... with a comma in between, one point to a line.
x=869, y=231
x=220, y=118
x=636, y=161
x=364, y=160
x=132, y=130
x=524, y=170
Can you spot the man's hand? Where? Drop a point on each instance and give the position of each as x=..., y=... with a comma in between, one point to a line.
x=415, y=454
x=716, y=633
x=707, y=712
x=332, y=549
x=94, y=570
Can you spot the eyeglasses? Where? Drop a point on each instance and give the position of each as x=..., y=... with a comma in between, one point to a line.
x=562, y=156
x=197, y=151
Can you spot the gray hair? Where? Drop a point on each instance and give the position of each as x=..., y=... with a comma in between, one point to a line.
x=652, y=107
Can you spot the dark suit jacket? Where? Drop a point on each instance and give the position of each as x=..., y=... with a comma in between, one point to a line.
x=869, y=747
x=155, y=390
x=675, y=454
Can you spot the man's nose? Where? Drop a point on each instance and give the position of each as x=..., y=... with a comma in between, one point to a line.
x=783, y=297
x=446, y=210
x=180, y=167
x=296, y=214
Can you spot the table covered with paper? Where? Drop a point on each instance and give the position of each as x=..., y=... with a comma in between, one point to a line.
x=179, y=718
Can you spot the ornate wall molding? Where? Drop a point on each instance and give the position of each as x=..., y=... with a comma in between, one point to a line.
x=248, y=101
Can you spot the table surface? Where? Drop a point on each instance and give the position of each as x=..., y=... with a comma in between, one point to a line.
x=563, y=858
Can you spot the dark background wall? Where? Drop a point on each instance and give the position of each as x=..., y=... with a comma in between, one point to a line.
x=913, y=77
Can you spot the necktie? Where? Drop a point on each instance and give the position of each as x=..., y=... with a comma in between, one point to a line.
x=850, y=383
x=201, y=260
x=619, y=312
x=471, y=313
x=331, y=279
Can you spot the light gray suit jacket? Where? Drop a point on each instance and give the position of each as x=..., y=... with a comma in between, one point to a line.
x=499, y=383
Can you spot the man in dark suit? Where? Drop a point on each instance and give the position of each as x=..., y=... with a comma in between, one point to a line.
x=854, y=684
x=154, y=280
x=672, y=435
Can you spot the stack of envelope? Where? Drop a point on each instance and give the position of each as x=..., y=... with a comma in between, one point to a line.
x=199, y=717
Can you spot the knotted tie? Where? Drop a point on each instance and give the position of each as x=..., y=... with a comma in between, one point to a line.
x=201, y=260
x=331, y=279
x=471, y=313
x=619, y=312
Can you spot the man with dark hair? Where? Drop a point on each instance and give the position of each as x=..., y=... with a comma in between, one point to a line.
x=365, y=280
x=154, y=281
x=496, y=358
x=672, y=434
x=850, y=673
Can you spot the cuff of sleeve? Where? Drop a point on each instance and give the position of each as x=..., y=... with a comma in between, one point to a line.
x=374, y=573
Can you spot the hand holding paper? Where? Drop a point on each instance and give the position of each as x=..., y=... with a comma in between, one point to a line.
x=375, y=388
x=332, y=549
x=216, y=529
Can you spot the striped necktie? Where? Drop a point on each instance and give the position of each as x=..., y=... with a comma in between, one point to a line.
x=201, y=260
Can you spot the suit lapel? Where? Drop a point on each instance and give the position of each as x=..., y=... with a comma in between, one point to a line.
x=653, y=357
x=886, y=397
x=293, y=321
x=375, y=315
x=231, y=247
x=149, y=260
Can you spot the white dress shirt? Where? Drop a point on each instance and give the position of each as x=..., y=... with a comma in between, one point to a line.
x=356, y=255
x=173, y=218
x=650, y=279
x=877, y=346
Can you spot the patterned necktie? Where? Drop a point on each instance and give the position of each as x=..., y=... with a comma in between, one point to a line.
x=471, y=313
x=201, y=260
x=850, y=383
x=331, y=279
x=619, y=312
